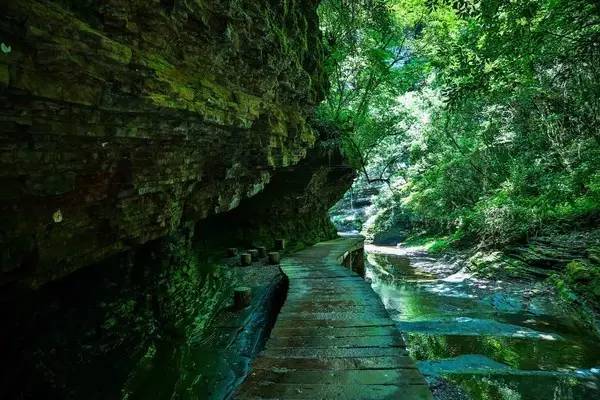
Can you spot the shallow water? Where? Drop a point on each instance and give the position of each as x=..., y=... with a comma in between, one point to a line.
x=479, y=339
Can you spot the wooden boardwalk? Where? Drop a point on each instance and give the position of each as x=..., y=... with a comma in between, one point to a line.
x=333, y=338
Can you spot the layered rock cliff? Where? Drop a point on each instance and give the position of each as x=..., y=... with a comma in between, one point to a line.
x=294, y=205
x=122, y=120
x=127, y=130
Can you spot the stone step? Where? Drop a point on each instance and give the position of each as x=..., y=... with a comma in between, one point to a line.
x=340, y=363
x=326, y=342
x=269, y=390
x=337, y=332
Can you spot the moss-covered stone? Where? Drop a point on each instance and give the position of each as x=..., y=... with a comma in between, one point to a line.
x=99, y=322
x=131, y=116
x=123, y=124
x=567, y=262
x=294, y=205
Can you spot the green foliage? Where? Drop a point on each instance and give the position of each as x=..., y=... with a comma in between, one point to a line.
x=580, y=281
x=366, y=45
x=438, y=245
x=492, y=118
x=6, y=48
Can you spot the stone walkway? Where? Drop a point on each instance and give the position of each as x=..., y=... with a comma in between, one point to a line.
x=333, y=339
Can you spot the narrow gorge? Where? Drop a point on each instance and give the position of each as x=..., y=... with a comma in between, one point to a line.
x=300, y=199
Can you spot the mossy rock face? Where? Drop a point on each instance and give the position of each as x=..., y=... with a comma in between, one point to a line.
x=578, y=272
x=568, y=262
x=135, y=117
x=96, y=324
x=496, y=264
x=294, y=206
x=584, y=278
x=123, y=124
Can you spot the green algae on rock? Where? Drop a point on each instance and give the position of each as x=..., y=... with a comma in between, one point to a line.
x=123, y=125
x=133, y=118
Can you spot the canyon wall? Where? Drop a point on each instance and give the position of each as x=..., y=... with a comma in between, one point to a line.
x=293, y=206
x=133, y=135
x=122, y=120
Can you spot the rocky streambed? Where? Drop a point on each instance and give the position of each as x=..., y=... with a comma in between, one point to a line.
x=478, y=338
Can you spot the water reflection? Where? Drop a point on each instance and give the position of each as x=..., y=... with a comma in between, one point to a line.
x=478, y=339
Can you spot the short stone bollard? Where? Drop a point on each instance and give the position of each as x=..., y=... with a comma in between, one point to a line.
x=241, y=297
x=253, y=254
x=280, y=244
x=232, y=252
x=262, y=251
x=274, y=258
x=245, y=259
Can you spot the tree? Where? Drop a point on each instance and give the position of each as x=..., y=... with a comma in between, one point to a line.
x=504, y=140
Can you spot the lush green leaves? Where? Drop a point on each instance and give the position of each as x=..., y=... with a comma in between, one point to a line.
x=485, y=113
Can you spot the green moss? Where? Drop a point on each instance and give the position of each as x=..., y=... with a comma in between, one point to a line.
x=115, y=51
x=438, y=246
x=578, y=285
x=584, y=279
x=72, y=31
x=198, y=92
x=434, y=244
x=578, y=271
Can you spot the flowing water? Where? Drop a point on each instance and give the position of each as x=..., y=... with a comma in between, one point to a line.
x=478, y=339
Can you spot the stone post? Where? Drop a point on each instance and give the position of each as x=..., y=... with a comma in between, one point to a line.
x=254, y=254
x=279, y=244
x=245, y=259
x=274, y=258
x=241, y=297
x=262, y=251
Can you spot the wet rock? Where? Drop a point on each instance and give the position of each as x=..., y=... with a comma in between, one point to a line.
x=123, y=125
x=293, y=205
x=568, y=262
x=134, y=119
x=442, y=389
x=495, y=264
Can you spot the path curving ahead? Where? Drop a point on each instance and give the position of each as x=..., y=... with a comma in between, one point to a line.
x=333, y=339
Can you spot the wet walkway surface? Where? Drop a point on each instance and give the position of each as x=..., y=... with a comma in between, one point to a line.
x=333, y=338
x=482, y=339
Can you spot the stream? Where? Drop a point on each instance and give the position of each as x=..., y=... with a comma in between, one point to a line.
x=479, y=339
